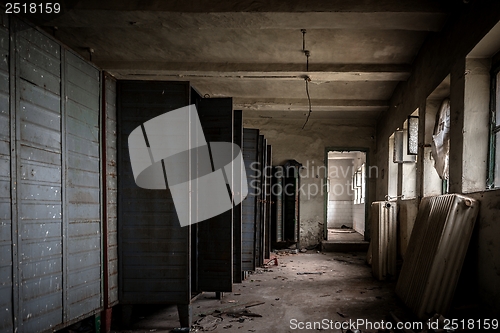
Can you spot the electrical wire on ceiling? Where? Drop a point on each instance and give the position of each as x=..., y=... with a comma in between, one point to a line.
x=308, y=99
x=307, y=53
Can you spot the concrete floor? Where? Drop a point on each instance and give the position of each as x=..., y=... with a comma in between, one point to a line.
x=345, y=290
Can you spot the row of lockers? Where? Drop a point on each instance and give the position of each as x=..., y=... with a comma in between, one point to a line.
x=77, y=235
x=160, y=261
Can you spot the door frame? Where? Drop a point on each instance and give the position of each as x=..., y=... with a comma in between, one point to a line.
x=367, y=190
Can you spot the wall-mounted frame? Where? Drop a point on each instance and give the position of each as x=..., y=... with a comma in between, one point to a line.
x=400, y=153
x=412, y=137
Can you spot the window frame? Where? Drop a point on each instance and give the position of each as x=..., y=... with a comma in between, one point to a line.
x=494, y=127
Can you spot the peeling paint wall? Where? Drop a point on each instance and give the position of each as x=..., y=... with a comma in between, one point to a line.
x=307, y=146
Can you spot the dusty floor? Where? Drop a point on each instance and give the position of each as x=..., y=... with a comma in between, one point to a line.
x=340, y=289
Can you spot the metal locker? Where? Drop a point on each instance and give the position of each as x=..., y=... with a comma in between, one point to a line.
x=215, y=235
x=40, y=181
x=7, y=180
x=291, y=185
x=249, y=205
x=154, y=250
x=260, y=205
x=82, y=198
x=109, y=198
x=277, y=205
x=55, y=174
x=237, y=211
x=268, y=202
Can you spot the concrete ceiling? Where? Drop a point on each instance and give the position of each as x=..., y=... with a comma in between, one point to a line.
x=252, y=50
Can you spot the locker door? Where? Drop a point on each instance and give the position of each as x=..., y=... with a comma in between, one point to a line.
x=260, y=204
x=291, y=203
x=154, y=250
x=249, y=205
x=40, y=162
x=237, y=212
x=267, y=226
x=277, y=205
x=110, y=189
x=215, y=235
x=82, y=199
x=7, y=177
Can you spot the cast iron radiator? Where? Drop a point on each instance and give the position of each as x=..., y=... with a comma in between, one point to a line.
x=436, y=252
x=384, y=239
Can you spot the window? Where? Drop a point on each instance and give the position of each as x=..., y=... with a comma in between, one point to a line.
x=494, y=156
x=358, y=185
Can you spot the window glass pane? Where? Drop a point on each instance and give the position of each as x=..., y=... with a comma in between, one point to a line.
x=413, y=135
x=497, y=161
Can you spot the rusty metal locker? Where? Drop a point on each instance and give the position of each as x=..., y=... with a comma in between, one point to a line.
x=53, y=99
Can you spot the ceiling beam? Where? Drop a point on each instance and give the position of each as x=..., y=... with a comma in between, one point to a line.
x=323, y=105
x=317, y=72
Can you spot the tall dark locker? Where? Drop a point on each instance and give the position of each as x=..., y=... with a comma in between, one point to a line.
x=249, y=204
x=215, y=235
x=237, y=211
x=259, y=215
x=291, y=195
x=263, y=200
x=277, y=221
x=154, y=250
x=268, y=203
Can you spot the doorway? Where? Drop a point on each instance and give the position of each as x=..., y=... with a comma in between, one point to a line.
x=345, y=195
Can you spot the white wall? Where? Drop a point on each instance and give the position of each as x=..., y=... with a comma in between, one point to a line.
x=340, y=213
x=358, y=218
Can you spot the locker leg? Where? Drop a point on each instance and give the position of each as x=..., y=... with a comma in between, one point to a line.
x=185, y=314
x=219, y=295
x=126, y=315
x=106, y=316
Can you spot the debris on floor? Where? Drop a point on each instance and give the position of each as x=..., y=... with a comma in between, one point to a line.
x=241, y=313
x=274, y=260
x=207, y=323
x=282, y=295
